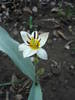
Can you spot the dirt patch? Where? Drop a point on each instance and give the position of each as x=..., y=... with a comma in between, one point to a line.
x=58, y=81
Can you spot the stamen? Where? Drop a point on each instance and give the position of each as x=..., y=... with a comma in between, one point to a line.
x=28, y=37
x=34, y=35
x=37, y=36
x=28, y=42
x=39, y=40
x=34, y=43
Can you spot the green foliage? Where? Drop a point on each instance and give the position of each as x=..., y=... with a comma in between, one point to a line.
x=30, y=22
x=35, y=93
x=66, y=12
x=10, y=47
x=40, y=71
x=36, y=60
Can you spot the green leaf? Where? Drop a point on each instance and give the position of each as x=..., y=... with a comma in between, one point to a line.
x=40, y=71
x=35, y=92
x=10, y=47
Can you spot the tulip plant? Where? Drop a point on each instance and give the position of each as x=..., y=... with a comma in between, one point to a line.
x=21, y=55
x=33, y=44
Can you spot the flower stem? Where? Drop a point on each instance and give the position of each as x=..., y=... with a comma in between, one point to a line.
x=30, y=24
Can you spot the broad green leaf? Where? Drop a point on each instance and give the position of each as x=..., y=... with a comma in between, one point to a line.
x=10, y=47
x=35, y=92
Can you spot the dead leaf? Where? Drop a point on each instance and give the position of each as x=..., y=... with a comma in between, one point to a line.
x=62, y=35
x=19, y=97
x=26, y=9
x=7, y=95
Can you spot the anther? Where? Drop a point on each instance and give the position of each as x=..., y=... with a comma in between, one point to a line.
x=28, y=42
x=34, y=35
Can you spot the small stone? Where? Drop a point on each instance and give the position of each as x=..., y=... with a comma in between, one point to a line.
x=52, y=3
x=70, y=28
x=56, y=9
x=7, y=13
x=19, y=97
x=35, y=9
x=72, y=67
x=54, y=39
x=3, y=6
x=67, y=47
x=15, y=32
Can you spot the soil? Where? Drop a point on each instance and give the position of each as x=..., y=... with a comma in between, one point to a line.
x=58, y=81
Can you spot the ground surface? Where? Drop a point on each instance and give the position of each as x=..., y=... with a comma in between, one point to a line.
x=58, y=81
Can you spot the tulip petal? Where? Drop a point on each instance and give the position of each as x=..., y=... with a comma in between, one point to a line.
x=28, y=52
x=22, y=46
x=41, y=53
x=43, y=38
x=34, y=34
x=25, y=36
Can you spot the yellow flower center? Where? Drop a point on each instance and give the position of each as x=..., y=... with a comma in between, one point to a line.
x=34, y=43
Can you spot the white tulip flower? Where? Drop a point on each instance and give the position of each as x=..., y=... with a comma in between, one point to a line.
x=33, y=44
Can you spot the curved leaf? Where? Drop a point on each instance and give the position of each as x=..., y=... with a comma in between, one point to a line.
x=10, y=47
x=35, y=92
